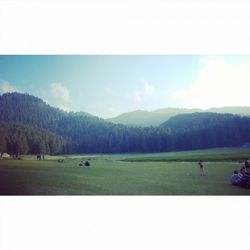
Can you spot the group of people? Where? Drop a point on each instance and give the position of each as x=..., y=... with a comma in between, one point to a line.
x=84, y=164
x=242, y=177
x=238, y=178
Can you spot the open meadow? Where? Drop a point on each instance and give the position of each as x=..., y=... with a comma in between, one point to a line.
x=175, y=173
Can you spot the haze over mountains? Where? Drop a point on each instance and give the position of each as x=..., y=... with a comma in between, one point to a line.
x=29, y=125
x=157, y=117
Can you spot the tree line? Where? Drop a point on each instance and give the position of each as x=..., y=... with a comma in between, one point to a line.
x=24, y=139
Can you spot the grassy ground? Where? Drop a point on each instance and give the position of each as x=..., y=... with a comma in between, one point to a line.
x=127, y=174
x=211, y=155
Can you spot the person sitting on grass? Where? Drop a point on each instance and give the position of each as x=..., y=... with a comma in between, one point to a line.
x=86, y=164
x=247, y=166
x=235, y=178
x=245, y=181
x=242, y=172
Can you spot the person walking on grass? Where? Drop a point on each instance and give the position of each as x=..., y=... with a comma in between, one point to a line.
x=202, y=171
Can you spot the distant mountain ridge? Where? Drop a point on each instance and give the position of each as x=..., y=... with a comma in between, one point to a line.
x=157, y=117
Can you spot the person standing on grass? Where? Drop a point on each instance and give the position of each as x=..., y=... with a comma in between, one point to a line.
x=202, y=172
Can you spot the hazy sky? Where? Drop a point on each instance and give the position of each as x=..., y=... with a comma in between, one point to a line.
x=109, y=85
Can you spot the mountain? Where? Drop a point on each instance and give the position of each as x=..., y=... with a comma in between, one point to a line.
x=134, y=118
x=149, y=118
x=159, y=116
x=235, y=110
x=30, y=126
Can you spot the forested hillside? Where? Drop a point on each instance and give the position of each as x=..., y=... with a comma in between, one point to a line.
x=29, y=125
x=27, y=109
x=206, y=130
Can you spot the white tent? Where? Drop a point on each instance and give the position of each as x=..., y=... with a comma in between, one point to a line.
x=5, y=155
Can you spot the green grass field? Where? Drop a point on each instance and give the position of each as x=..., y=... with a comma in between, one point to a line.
x=125, y=174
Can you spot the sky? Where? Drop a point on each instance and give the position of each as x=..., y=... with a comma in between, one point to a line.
x=107, y=86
